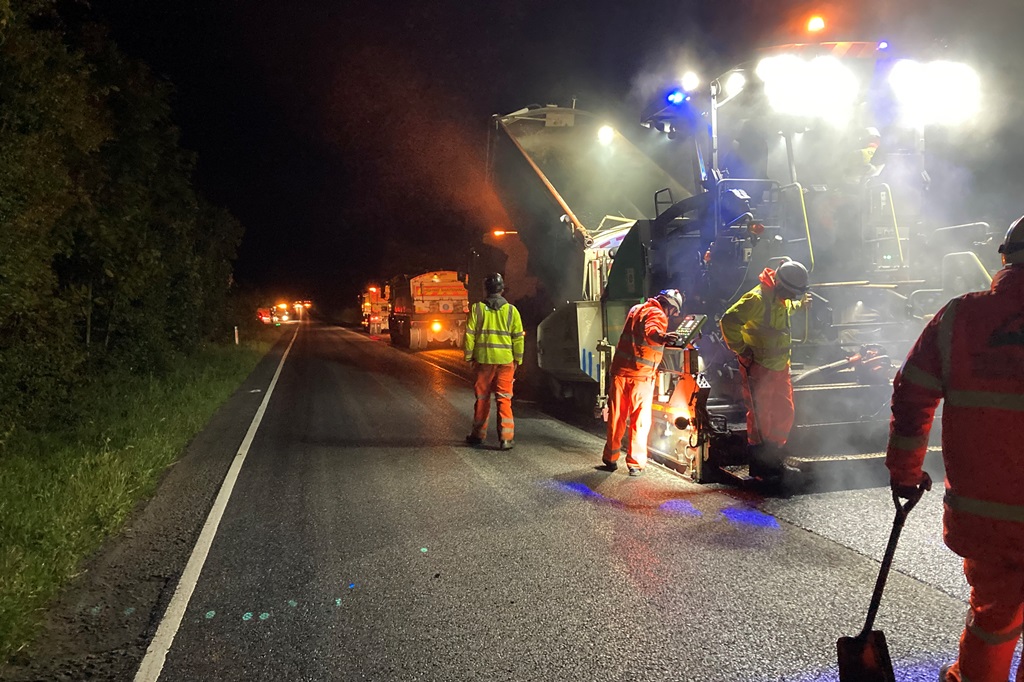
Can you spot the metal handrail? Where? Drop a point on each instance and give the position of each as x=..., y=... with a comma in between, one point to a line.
x=892, y=209
x=807, y=225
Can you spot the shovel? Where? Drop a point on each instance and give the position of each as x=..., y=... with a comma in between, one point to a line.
x=865, y=658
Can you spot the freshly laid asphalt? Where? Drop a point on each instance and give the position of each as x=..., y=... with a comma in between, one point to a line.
x=365, y=541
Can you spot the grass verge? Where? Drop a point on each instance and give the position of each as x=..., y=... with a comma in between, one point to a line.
x=63, y=491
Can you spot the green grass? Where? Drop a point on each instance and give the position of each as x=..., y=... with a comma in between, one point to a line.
x=63, y=491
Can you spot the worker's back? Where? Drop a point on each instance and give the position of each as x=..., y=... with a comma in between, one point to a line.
x=981, y=359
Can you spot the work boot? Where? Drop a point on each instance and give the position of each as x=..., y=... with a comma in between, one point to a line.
x=944, y=673
x=761, y=464
x=635, y=471
x=608, y=466
x=506, y=444
x=473, y=440
x=769, y=461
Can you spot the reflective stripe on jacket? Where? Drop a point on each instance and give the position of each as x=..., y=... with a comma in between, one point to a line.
x=760, y=323
x=641, y=344
x=972, y=355
x=494, y=337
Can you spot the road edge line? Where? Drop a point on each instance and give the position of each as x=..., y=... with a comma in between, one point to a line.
x=156, y=654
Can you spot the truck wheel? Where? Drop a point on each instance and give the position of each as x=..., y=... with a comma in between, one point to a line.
x=416, y=338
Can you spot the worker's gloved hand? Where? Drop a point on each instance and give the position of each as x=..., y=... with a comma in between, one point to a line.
x=909, y=492
x=671, y=338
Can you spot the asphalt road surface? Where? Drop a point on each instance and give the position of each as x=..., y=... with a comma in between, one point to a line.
x=363, y=540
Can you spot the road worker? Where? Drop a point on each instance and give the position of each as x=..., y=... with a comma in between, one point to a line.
x=862, y=162
x=757, y=329
x=494, y=344
x=971, y=355
x=637, y=356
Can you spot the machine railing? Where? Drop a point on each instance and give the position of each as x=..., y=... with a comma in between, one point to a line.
x=802, y=218
x=884, y=210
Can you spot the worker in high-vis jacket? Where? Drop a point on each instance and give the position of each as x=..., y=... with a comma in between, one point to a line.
x=757, y=329
x=637, y=356
x=971, y=355
x=494, y=344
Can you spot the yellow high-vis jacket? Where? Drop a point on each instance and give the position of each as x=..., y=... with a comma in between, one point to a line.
x=494, y=333
x=759, y=323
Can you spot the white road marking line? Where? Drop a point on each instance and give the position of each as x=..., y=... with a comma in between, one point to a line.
x=153, y=662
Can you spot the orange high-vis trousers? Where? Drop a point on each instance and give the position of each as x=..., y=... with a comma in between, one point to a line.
x=993, y=623
x=496, y=379
x=629, y=405
x=768, y=396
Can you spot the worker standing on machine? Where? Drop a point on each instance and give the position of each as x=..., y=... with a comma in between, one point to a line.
x=637, y=356
x=757, y=329
x=971, y=354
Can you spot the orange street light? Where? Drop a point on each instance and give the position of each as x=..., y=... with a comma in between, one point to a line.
x=502, y=233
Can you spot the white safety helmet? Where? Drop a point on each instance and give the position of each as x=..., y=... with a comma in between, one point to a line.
x=1012, y=247
x=792, y=279
x=671, y=298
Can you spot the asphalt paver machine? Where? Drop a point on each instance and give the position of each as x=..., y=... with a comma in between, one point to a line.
x=814, y=152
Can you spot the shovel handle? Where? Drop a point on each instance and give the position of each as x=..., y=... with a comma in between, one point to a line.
x=902, y=509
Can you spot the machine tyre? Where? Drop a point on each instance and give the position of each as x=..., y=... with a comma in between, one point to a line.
x=584, y=396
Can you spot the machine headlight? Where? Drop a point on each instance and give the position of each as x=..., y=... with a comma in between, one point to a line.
x=735, y=83
x=939, y=92
x=690, y=81
x=820, y=88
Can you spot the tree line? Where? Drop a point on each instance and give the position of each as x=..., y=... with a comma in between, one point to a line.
x=109, y=258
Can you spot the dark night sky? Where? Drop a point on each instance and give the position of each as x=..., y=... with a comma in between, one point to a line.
x=339, y=131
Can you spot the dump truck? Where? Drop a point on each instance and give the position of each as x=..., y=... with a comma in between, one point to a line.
x=429, y=308
x=627, y=220
x=374, y=305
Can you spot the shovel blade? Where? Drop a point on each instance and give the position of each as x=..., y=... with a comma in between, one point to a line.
x=865, y=658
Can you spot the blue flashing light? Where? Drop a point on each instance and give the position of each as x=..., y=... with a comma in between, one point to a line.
x=676, y=97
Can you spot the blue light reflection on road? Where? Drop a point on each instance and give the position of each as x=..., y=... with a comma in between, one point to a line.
x=750, y=517
x=681, y=507
x=578, y=488
x=674, y=506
